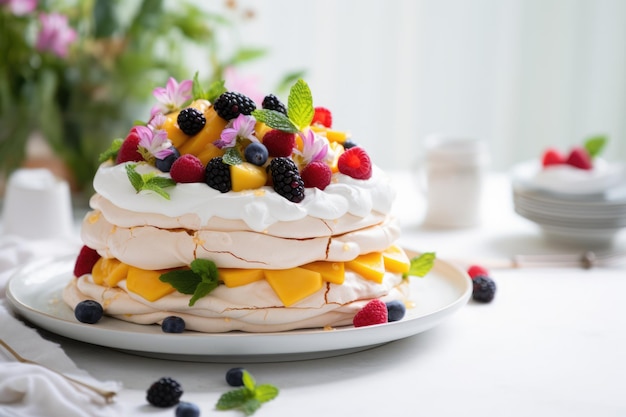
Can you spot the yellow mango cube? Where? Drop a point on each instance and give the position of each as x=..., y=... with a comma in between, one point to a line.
x=236, y=277
x=370, y=266
x=209, y=134
x=396, y=260
x=147, y=283
x=103, y=268
x=209, y=152
x=332, y=135
x=173, y=131
x=119, y=273
x=295, y=284
x=333, y=272
x=247, y=176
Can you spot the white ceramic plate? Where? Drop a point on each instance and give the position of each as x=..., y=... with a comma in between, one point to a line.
x=35, y=293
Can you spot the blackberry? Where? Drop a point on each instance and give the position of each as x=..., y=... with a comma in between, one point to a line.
x=484, y=289
x=165, y=392
x=286, y=179
x=217, y=175
x=271, y=102
x=190, y=121
x=88, y=311
x=230, y=105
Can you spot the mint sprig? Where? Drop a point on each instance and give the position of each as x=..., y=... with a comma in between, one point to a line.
x=275, y=120
x=595, y=144
x=300, y=110
x=248, y=398
x=421, y=265
x=216, y=89
x=149, y=181
x=198, y=281
x=232, y=157
x=112, y=151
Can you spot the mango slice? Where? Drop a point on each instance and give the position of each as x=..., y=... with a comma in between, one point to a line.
x=370, y=266
x=396, y=260
x=295, y=284
x=103, y=268
x=209, y=134
x=173, y=131
x=333, y=272
x=247, y=176
x=147, y=283
x=331, y=135
x=234, y=277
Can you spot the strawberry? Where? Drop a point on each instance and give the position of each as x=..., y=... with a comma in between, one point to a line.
x=85, y=261
x=374, y=312
x=356, y=163
x=279, y=143
x=129, y=149
x=187, y=168
x=323, y=117
x=552, y=156
x=316, y=174
x=475, y=270
x=579, y=158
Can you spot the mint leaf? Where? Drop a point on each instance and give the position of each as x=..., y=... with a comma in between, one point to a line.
x=134, y=177
x=197, y=91
x=112, y=152
x=149, y=181
x=232, y=157
x=421, y=265
x=275, y=120
x=300, y=105
x=249, y=398
x=184, y=280
x=248, y=380
x=595, y=145
x=216, y=89
x=233, y=399
x=204, y=268
x=265, y=392
x=250, y=406
x=202, y=289
x=161, y=182
x=200, y=280
x=156, y=189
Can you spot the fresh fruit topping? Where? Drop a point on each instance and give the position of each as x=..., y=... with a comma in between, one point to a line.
x=356, y=163
x=552, y=156
x=348, y=144
x=323, y=117
x=185, y=409
x=231, y=104
x=190, y=121
x=85, y=261
x=234, y=377
x=475, y=270
x=579, y=158
x=88, y=311
x=165, y=392
x=271, y=102
x=247, y=398
x=165, y=165
x=129, y=151
x=173, y=324
x=256, y=153
x=395, y=310
x=247, y=176
x=186, y=169
x=316, y=174
x=217, y=175
x=484, y=289
x=286, y=179
x=279, y=143
x=374, y=312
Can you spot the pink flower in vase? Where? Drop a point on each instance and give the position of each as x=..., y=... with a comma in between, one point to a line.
x=20, y=7
x=55, y=34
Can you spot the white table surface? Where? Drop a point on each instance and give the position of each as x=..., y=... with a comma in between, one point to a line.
x=552, y=343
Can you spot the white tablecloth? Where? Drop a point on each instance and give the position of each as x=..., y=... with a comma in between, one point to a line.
x=552, y=343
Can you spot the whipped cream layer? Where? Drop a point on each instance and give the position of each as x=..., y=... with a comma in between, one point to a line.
x=250, y=308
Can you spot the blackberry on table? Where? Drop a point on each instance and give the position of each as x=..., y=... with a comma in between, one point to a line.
x=231, y=104
x=271, y=102
x=484, y=289
x=217, y=175
x=286, y=179
x=165, y=392
x=190, y=121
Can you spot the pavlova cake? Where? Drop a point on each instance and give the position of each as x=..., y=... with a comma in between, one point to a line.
x=227, y=217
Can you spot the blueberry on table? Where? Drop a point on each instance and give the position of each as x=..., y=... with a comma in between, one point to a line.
x=88, y=311
x=234, y=377
x=185, y=409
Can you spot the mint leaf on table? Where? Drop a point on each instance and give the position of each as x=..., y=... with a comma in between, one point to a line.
x=112, y=151
x=421, y=265
x=149, y=181
x=300, y=105
x=198, y=281
x=248, y=398
x=275, y=120
x=594, y=145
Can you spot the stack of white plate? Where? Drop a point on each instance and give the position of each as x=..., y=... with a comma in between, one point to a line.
x=588, y=211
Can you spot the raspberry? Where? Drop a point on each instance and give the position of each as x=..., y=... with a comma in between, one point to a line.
x=217, y=175
x=165, y=392
x=395, y=310
x=316, y=174
x=356, y=163
x=279, y=143
x=190, y=121
x=286, y=179
x=188, y=168
x=230, y=105
x=552, y=157
x=271, y=102
x=374, y=312
x=85, y=261
x=579, y=158
x=475, y=270
x=484, y=289
x=88, y=311
x=323, y=117
x=129, y=150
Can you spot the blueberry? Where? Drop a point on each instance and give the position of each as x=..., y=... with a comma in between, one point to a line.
x=395, y=310
x=187, y=410
x=256, y=153
x=164, y=165
x=173, y=324
x=484, y=289
x=88, y=311
x=234, y=377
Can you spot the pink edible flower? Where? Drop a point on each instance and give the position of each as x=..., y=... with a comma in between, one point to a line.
x=171, y=97
x=154, y=141
x=55, y=34
x=20, y=7
x=240, y=128
x=314, y=147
